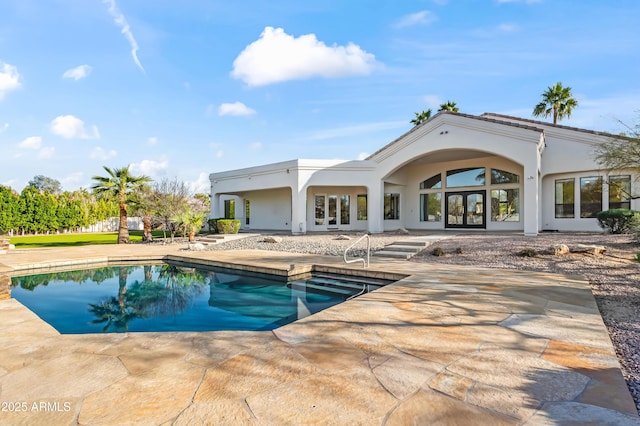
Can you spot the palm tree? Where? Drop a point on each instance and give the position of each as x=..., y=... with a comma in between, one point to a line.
x=191, y=221
x=449, y=106
x=556, y=100
x=421, y=117
x=120, y=185
x=143, y=204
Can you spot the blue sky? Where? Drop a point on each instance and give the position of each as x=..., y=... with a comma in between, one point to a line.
x=183, y=89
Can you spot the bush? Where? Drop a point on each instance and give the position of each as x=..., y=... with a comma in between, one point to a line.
x=618, y=221
x=437, y=251
x=227, y=226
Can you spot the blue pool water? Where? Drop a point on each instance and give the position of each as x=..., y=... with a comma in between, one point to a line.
x=171, y=297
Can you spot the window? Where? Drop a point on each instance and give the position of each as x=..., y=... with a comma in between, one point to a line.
x=319, y=204
x=431, y=207
x=362, y=206
x=392, y=206
x=500, y=176
x=590, y=196
x=434, y=182
x=466, y=177
x=620, y=192
x=333, y=208
x=505, y=205
x=247, y=210
x=229, y=209
x=345, y=209
x=565, y=195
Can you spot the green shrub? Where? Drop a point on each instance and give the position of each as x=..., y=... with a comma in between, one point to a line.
x=212, y=225
x=638, y=256
x=437, y=251
x=618, y=221
x=227, y=226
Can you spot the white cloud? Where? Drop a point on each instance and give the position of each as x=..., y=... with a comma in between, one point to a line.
x=201, y=184
x=219, y=153
x=121, y=22
x=507, y=28
x=73, y=180
x=277, y=56
x=150, y=167
x=433, y=101
x=424, y=17
x=70, y=127
x=99, y=153
x=32, y=142
x=363, y=155
x=256, y=146
x=78, y=72
x=9, y=79
x=236, y=109
x=152, y=141
x=359, y=129
x=46, y=152
x=4, y=127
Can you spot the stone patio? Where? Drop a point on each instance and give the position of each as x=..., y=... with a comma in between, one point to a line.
x=443, y=345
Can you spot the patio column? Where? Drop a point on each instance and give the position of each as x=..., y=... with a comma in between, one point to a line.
x=299, y=210
x=530, y=208
x=375, y=207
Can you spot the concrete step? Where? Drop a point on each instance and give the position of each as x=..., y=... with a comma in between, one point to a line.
x=399, y=247
x=415, y=243
x=394, y=254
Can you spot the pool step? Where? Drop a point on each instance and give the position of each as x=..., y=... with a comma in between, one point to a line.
x=315, y=285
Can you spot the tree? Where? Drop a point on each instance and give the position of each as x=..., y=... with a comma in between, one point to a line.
x=421, y=117
x=556, y=101
x=43, y=183
x=449, y=106
x=8, y=209
x=621, y=152
x=171, y=196
x=143, y=203
x=120, y=185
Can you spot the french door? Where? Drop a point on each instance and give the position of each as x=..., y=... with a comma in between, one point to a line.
x=332, y=211
x=465, y=209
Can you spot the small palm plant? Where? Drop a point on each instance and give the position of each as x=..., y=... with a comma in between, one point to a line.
x=190, y=221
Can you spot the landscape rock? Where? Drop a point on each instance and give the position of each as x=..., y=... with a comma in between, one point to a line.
x=585, y=248
x=402, y=231
x=271, y=239
x=197, y=246
x=559, y=249
x=342, y=237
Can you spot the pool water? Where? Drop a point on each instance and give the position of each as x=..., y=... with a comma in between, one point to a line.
x=171, y=297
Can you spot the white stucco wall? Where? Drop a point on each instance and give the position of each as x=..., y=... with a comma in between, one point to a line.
x=269, y=209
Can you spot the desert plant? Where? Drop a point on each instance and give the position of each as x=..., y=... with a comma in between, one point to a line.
x=618, y=221
x=459, y=250
x=527, y=252
x=437, y=251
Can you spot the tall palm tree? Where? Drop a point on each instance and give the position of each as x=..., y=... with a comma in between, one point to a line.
x=120, y=185
x=421, y=117
x=556, y=100
x=449, y=106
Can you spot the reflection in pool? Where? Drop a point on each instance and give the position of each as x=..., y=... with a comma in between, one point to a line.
x=168, y=297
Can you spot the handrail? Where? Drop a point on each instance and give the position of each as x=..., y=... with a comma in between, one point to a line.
x=365, y=263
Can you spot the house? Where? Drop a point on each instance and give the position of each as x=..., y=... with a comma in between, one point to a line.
x=455, y=171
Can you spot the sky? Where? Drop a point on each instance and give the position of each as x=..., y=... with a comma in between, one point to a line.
x=184, y=89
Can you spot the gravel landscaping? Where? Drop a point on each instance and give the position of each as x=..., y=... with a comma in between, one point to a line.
x=614, y=275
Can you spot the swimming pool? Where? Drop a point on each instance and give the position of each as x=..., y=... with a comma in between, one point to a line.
x=175, y=297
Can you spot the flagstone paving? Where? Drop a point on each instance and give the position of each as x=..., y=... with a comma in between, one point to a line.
x=443, y=345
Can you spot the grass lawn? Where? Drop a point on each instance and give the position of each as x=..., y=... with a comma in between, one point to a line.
x=71, y=240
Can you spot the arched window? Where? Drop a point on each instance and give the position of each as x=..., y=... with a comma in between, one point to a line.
x=472, y=176
x=501, y=176
x=434, y=182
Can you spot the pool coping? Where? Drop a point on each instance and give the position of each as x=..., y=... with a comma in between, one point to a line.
x=411, y=351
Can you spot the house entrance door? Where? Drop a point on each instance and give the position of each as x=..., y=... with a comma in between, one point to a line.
x=465, y=209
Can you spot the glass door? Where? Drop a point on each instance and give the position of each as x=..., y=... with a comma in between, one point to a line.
x=332, y=211
x=465, y=209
